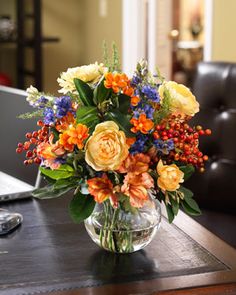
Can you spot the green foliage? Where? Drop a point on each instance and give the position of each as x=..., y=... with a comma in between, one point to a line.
x=101, y=93
x=189, y=205
x=35, y=114
x=112, y=64
x=49, y=192
x=122, y=121
x=170, y=213
x=188, y=171
x=81, y=207
x=84, y=91
x=65, y=171
x=174, y=205
x=124, y=103
x=164, y=111
x=125, y=204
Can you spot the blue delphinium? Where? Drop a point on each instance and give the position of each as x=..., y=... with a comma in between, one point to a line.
x=139, y=145
x=48, y=116
x=42, y=101
x=164, y=146
x=151, y=93
x=63, y=106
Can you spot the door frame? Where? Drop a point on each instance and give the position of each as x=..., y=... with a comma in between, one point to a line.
x=138, y=33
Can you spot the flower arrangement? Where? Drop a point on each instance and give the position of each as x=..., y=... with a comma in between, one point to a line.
x=113, y=139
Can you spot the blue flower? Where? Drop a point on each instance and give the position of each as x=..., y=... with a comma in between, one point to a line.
x=164, y=146
x=135, y=81
x=63, y=105
x=42, y=101
x=151, y=93
x=139, y=145
x=48, y=116
x=149, y=110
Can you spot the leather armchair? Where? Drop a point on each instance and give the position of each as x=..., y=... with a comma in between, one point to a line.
x=215, y=190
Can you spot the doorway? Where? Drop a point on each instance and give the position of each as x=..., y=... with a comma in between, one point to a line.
x=172, y=34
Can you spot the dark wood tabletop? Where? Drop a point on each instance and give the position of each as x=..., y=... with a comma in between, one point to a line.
x=49, y=254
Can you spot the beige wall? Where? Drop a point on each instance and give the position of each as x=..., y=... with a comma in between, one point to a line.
x=63, y=19
x=81, y=31
x=99, y=28
x=224, y=23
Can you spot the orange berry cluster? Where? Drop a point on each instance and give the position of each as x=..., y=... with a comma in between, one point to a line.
x=33, y=139
x=186, y=141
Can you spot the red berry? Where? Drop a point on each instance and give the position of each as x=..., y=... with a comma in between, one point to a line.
x=40, y=123
x=37, y=161
x=35, y=134
x=205, y=158
x=201, y=132
x=26, y=162
x=20, y=145
x=208, y=131
x=29, y=154
x=28, y=135
x=19, y=150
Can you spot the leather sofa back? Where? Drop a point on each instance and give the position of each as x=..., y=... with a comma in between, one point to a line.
x=215, y=89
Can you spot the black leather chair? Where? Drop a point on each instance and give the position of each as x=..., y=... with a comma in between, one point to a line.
x=215, y=190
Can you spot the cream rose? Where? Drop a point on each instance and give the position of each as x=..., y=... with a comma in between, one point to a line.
x=182, y=101
x=106, y=148
x=170, y=176
x=89, y=74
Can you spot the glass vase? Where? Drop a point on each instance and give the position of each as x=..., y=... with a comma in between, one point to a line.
x=121, y=231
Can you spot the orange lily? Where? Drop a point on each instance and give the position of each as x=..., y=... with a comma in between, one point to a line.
x=101, y=188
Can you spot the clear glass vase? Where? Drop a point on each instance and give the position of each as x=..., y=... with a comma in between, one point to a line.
x=121, y=231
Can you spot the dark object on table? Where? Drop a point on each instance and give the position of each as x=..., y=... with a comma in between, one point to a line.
x=9, y=221
x=215, y=190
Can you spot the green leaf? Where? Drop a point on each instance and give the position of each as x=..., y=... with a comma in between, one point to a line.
x=101, y=93
x=64, y=183
x=84, y=111
x=81, y=207
x=124, y=103
x=189, y=210
x=122, y=121
x=48, y=192
x=170, y=213
x=193, y=204
x=187, y=193
x=188, y=171
x=175, y=206
x=65, y=171
x=85, y=92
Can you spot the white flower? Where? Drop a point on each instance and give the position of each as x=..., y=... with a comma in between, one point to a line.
x=32, y=92
x=89, y=74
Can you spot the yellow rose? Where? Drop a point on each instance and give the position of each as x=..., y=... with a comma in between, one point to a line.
x=170, y=176
x=182, y=101
x=89, y=74
x=106, y=148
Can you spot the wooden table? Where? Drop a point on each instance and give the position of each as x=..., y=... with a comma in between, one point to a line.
x=48, y=254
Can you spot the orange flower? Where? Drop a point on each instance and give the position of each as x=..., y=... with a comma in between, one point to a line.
x=49, y=151
x=141, y=124
x=65, y=122
x=116, y=81
x=137, y=164
x=101, y=188
x=129, y=91
x=135, y=100
x=130, y=141
x=74, y=136
x=135, y=186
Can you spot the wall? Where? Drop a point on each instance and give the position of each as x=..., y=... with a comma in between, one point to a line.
x=81, y=30
x=224, y=23
x=98, y=29
x=63, y=19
